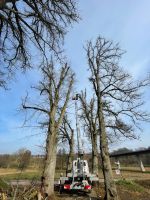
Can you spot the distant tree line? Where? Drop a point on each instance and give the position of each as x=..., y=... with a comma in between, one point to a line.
x=125, y=161
x=23, y=159
x=19, y=160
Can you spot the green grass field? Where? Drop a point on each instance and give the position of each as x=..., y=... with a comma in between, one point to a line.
x=130, y=185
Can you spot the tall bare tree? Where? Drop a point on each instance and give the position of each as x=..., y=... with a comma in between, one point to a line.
x=30, y=24
x=120, y=94
x=55, y=91
x=67, y=135
x=90, y=123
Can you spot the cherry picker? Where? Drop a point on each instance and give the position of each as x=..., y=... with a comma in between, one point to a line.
x=79, y=179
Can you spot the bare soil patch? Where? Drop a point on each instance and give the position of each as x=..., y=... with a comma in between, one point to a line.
x=127, y=190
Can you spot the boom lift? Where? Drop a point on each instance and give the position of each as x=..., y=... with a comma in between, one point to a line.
x=79, y=179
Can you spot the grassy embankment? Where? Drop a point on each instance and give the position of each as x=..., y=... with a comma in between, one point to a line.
x=28, y=174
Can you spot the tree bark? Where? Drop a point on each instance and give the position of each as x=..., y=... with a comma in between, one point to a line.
x=94, y=154
x=110, y=187
x=50, y=162
x=71, y=152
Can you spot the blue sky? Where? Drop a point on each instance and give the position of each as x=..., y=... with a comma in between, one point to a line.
x=126, y=22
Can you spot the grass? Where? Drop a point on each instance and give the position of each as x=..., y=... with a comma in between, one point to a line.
x=3, y=184
x=132, y=168
x=23, y=175
x=146, y=172
x=26, y=175
x=130, y=185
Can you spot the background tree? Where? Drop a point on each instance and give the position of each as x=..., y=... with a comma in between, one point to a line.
x=30, y=24
x=23, y=158
x=67, y=133
x=90, y=120
x=4, y=161
x=55, y=90
x=116, y=90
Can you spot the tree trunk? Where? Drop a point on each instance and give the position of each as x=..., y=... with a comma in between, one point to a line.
x=71, y=152
x=94, y=154
x=110, y=187
x=50, y=162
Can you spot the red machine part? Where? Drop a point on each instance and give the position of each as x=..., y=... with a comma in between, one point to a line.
x=87, y=187
x=67, y=187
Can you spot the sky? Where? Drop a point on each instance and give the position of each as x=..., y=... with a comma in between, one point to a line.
x=126, y=22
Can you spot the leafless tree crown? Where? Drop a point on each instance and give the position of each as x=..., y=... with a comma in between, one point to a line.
x=54, y=92
x=33, y=23
x=66, y=130
x=89, y=114
x=121, y=95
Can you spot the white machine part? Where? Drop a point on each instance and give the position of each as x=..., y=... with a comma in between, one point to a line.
x=80, y=167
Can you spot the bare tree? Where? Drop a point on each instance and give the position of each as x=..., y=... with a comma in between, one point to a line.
x=67, y=134
x=23, y=158
x=30, y=24
x=116, y=91
x=90, y=122
x=55, y=91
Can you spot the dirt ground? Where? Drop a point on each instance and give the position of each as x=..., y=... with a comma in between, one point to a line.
x=138, y=191
x=129, y=194
x=132, y=184
x=133, y=174
x=127, y=190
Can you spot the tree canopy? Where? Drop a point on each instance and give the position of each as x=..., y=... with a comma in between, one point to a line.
x=30, y=24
